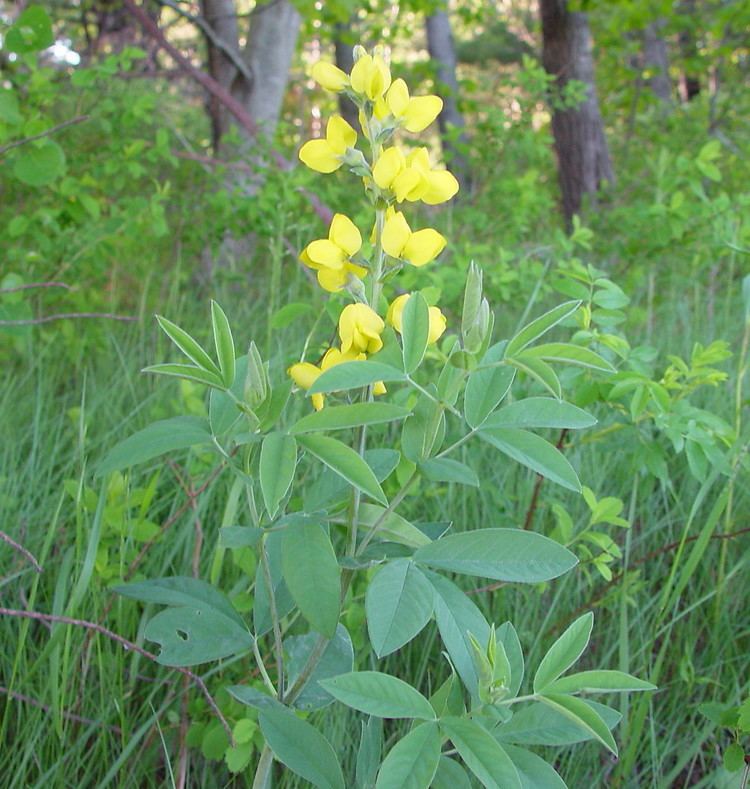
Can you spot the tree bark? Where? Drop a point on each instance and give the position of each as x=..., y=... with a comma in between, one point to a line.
x=656, y=61
x=582, y=152
x=451, y=122
x=274, y=27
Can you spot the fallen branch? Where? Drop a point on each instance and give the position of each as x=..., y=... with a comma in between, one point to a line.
x=64, y=316
x=23, y=551
x=128, y=645
x=47, y=133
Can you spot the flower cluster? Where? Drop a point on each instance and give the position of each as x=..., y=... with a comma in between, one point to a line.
x=391, y=176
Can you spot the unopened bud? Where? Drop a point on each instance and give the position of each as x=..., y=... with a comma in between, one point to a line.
x=472, y=306
x=256, y=380
x=358, y=52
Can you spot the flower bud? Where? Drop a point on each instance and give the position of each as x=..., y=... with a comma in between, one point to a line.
x=256, y=380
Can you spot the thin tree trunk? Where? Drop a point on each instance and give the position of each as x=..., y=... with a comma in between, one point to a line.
x=451, y=121
x=344, y=44
x=274, y=27
x=656, y=61
x=221, y=17
x=580, y=142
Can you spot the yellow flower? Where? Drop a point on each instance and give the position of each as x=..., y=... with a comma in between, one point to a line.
x=327, y=155
x=414, y=114
x=360, y=328
x=370, y=76
x=396, y=312
x=412, y=178
x=305, y=374
x=416, y=248
x=330, y=257
x=329, y=76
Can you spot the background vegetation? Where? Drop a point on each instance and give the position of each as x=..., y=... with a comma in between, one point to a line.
x=129, y=189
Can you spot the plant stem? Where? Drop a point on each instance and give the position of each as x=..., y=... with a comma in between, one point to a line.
x=263, y=772
x=278, y=649
x=397, y=499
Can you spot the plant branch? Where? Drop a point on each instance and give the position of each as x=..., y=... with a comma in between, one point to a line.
x=64, y=316
x=34, y=285
x=52, y=130
x=23, y=551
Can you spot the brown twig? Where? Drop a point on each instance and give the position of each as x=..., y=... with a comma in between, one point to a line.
x=23, y=551
x=34, y=285
x=530, y=512
x=128, y=645
x=71, y=716
x=64, y=316
x=64, y=125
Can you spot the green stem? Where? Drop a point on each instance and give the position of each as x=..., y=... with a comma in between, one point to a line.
x=278, y=648
x=397, y=499
x=262, y=778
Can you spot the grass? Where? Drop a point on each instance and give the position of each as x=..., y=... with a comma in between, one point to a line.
x=79, y=710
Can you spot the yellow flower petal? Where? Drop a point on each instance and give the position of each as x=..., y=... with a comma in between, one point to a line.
x=382, y=78
x=305, y=258
x=423, y=246
x=360, y=76
x=318, y=401
x=396, y=234
x=329, y=76
x=304, y=374
x=409, y=184
x=339, y=134
x=389, y=164
x=358, y=271
x=421, y=112
x=323, y=252
x=379, y=388
x=419, y=159
x=360, y=328
x=345, y=235
x=396, y=311
x=442, y=185
x=380, y=109
x=398, y=98
x=319, y=156
x=334, y=356
x=437, y=325
x=332, y=280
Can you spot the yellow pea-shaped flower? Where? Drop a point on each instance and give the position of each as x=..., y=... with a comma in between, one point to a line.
x=360, y=328
x=370, y=76
x=329, y=76
x=415, y=113
x=330, y=257
x=327, y=155
x=416, y=248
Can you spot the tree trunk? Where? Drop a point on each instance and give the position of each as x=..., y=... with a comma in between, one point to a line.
x=582, y=152
x=656, y=61
x=274, y=27
x=344, y=43
x=451, y=121
x=690, y=84
x=221, y=17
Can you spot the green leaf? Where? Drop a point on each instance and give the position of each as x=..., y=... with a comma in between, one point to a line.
x=278, y=460
x=394, y=528
x=534, y=452
x=456, y=617
x=31, y=32
x=540, y=371
x=500, y=554
x=734, y=757
x=450, y=775
x=255, y=698
x=533, y=771
x=379, y=694
x=564, y=652
x=312, y=575
x=398, y=604
x=416, y=330
x=354, y=375
x=39, y=165
x=337, y=658
x=224, y=343
x=602, y=681
x=301, y=748
x=190, y=347
x=369, y=752
x=487, y=386
x=537, y=412
x=289, y=313
x=447, y=470
x=507, y=636
x=201, y=626
x=538, y=724
x=584, y=716
x=340, y=417
x=539, y=326
x=412, y=762
x=167, y=435
x=345, y=462
x=187, y=371
x=566, y=353
x=481, y=753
